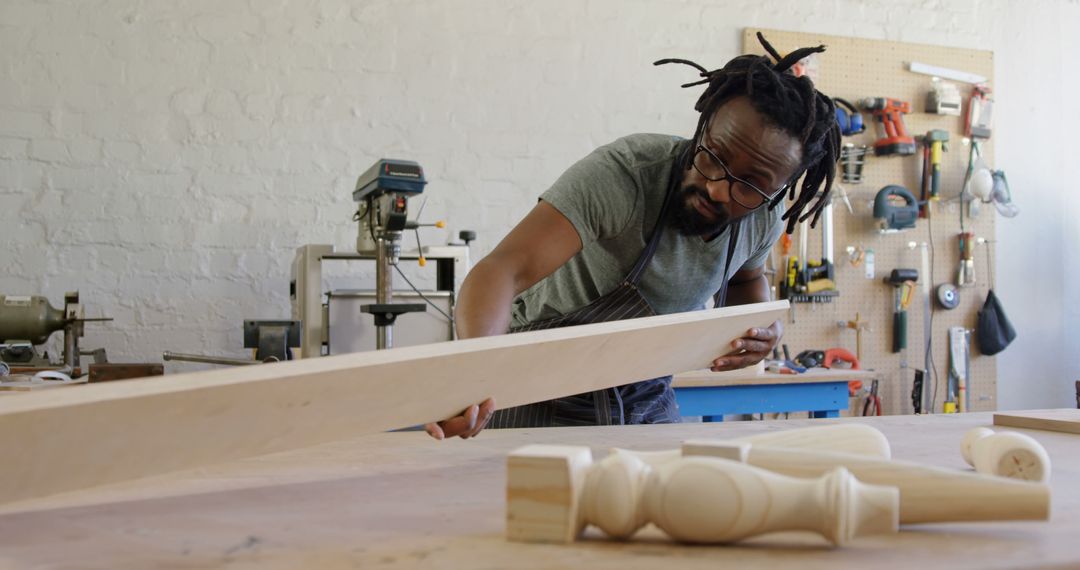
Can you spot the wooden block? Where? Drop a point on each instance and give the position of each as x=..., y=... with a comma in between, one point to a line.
x=543, y=484
x=1065, y=420
x=108, y=372
x=68, y=439
x=731, y=450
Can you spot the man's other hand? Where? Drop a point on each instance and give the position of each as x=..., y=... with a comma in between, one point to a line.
x=750, y=349
x=466, y=425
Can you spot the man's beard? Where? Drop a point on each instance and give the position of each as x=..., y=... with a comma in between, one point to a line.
x=689, y=221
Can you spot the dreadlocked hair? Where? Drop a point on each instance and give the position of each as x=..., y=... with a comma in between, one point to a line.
x=790, y=103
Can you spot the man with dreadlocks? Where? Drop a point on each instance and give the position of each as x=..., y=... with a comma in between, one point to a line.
x=654, y=224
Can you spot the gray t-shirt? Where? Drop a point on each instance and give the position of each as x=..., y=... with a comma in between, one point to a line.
x=613, y=198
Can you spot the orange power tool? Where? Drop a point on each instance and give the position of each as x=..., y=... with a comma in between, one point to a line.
x=888, y=113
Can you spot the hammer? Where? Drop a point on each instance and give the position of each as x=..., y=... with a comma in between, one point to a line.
x=934, y=142
x=903, y=281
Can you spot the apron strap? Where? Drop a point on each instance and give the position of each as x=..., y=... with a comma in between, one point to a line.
x=650, y=249
x=720, y=297
x=658, y=229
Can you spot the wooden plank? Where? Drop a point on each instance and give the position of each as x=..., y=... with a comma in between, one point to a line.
x=1064, y=419
x=68, y=439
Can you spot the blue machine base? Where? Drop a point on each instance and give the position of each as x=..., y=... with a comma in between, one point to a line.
x=821, y=399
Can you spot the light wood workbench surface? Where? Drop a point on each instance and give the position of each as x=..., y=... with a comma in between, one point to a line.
x=705, y=378
x=401, y=500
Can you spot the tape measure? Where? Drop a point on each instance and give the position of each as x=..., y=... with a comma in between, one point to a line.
x=948, y=296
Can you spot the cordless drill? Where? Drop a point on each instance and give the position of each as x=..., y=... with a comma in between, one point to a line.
x=889, y=114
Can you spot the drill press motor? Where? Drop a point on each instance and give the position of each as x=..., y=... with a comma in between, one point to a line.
x=385, y=189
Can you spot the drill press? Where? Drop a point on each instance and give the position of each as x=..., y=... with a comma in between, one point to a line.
x=383, y=192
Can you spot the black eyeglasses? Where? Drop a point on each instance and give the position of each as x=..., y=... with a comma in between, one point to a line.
x=745, y=193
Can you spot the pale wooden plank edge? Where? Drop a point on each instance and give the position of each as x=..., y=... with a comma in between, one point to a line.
x=212, y=378
x=81, y=437
x=1041, y=420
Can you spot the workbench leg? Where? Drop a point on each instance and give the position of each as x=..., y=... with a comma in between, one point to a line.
x=712, y=419
x=825, y=414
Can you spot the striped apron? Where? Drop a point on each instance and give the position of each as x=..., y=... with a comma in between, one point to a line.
x=645, y=402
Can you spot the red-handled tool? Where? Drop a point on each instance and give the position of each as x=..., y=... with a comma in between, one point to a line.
x=843, y=355
x=872, y=407
x=833, y=355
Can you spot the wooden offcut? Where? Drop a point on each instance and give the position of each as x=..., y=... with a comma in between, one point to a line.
x=1065, y=419
x=69, y=439
x=112, y=371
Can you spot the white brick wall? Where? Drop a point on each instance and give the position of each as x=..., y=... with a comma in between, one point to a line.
x=166, y=158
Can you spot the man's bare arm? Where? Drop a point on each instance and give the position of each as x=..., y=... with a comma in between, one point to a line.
x=748, y=286
x=534, y=249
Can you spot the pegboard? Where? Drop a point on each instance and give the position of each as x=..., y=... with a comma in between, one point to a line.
x=854, y=69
